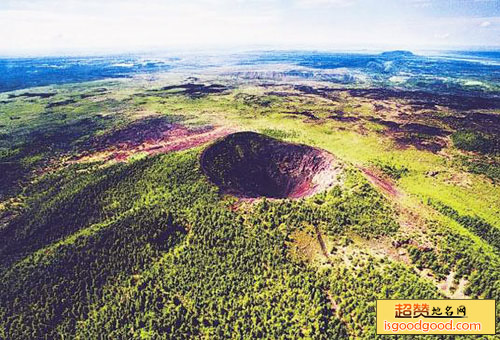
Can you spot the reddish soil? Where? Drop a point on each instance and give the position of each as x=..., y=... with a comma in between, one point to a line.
x=158, y=138
x=302, y=190
x=384, y=184
x=181, y=138
x=135, y=133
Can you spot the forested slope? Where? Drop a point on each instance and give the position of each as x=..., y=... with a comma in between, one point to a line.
x=148, y=249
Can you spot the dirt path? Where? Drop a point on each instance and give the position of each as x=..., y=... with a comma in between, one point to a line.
x=387, y=186
x=322, y=243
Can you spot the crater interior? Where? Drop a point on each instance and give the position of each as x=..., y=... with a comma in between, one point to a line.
x=251, y=165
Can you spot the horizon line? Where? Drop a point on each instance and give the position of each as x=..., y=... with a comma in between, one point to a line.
x=236, y=49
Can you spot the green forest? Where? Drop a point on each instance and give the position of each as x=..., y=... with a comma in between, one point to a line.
x=149, y=250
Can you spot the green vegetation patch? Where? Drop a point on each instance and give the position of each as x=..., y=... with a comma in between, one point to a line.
x=477, y=225
x=392, y=170
x=470, y=140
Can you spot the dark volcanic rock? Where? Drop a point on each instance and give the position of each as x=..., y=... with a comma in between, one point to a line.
x=191, y=90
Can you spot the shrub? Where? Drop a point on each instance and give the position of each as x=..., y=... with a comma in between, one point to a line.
x=469, y=140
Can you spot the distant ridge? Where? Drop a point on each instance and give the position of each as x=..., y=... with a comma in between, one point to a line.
x=397, y=53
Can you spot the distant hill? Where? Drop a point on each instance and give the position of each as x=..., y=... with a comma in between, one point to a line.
x=397, y=54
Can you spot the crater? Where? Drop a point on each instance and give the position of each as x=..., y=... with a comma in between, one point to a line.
x=251, y=165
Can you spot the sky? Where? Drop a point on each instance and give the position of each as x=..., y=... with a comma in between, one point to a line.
x=51, y=27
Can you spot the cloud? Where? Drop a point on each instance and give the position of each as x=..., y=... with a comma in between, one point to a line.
x=137, y=25
x=310, y=4
x=442, y=36
x=51, y=25
x=421, y=3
